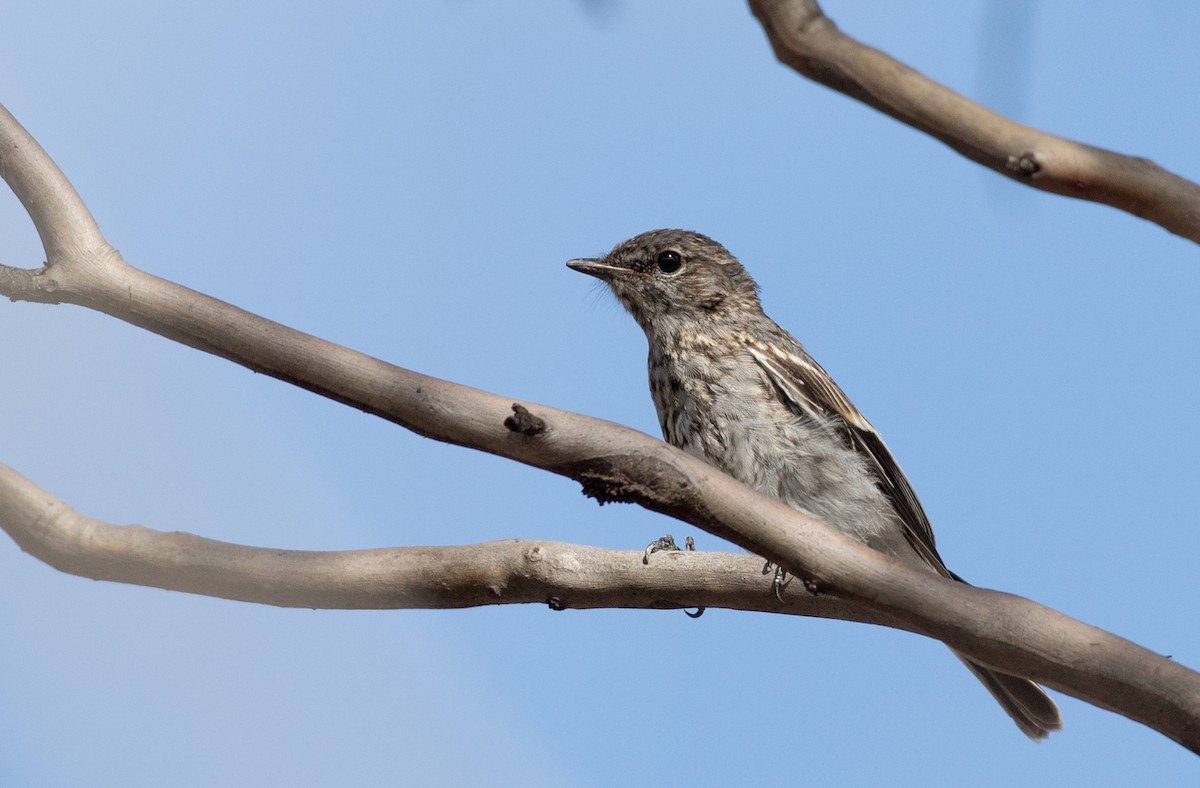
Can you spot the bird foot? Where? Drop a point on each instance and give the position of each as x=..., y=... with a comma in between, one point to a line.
x=782, y=580
x=668, y=543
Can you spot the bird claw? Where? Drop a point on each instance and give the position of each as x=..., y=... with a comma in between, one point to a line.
x=780, y=581
x=662, y=543
x=783, y=580
x=668, y=543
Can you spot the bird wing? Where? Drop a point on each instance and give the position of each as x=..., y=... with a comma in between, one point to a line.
x=807, y=390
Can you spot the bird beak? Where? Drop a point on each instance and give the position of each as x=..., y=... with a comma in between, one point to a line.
x=596, y=268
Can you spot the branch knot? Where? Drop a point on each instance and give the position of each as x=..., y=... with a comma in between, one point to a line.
x=524, y=422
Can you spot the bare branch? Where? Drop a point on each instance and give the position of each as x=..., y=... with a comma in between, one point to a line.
x=612, y=462
x=513, y=571
x=808, y=41
x=63, y=222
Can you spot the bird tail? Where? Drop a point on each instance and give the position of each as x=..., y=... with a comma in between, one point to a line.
x=1027, y=703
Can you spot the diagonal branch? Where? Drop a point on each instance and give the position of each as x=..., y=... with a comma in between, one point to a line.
x=808, y=41
x=613, y=463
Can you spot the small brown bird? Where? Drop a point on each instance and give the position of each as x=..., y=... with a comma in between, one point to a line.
x=736, y=390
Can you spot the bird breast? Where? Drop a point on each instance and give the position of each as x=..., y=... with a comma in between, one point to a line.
x=719, y=406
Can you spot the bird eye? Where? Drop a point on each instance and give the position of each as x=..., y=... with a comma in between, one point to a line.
x=669, y=262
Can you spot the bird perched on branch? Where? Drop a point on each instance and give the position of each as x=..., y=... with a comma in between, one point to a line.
x=734, y=389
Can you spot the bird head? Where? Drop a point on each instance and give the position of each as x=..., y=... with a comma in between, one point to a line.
x=674, y=275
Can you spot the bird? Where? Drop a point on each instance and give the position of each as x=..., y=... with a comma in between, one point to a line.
x=736, y=390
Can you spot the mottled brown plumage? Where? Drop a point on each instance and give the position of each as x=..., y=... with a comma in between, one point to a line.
x=736, y=390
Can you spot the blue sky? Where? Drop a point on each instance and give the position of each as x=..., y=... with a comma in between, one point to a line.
x=408, y=179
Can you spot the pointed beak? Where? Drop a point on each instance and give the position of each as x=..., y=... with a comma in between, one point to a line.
x=595, y=267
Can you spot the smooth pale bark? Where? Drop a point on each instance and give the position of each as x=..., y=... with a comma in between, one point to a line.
x=613, y=463
x=808, y=41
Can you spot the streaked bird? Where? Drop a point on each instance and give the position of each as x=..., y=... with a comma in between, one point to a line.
x=736, y=390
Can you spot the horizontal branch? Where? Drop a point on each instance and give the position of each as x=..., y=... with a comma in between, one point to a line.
x=512, y=571
x=808, y=41
x=612, y=462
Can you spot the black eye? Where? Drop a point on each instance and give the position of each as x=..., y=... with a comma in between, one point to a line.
x=669, y=262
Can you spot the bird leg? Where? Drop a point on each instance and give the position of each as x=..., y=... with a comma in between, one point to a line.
x=668, y=543
x=782, y=581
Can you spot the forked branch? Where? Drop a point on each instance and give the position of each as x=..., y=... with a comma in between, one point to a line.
x=612, y=462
